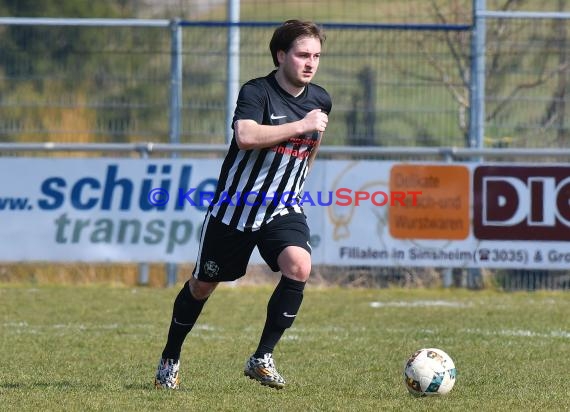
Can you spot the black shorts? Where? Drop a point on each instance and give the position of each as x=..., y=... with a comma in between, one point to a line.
x=224, y=252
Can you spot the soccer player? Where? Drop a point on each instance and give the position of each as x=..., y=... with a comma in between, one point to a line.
x=278, y=125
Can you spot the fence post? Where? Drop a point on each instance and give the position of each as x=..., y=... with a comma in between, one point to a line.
x=447, y=278
x=477, y=102
x=232, y=84
x=175, y=81
x=143, y=274
x=143, y=266
x=477, y=92
x=175, y=110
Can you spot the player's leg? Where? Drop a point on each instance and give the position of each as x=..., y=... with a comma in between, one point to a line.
x=286, y=248
x=284, y=304
x=187, y=308
x=223, y=255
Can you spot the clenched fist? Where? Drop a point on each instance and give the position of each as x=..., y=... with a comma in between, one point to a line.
x=315, y=120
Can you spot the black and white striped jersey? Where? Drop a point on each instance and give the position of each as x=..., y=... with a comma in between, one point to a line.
x=256, y=185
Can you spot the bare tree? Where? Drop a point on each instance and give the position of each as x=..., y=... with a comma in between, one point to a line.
x=555, y=113
x=511, y=67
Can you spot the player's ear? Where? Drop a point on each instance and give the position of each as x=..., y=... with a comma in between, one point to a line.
x=281, y=56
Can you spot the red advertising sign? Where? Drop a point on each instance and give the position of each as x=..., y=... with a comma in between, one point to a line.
x=521, y=203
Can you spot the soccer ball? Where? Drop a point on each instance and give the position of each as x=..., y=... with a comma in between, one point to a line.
x=429, y=371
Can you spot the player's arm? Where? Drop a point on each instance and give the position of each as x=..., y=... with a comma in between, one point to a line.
x=313, y=154
x=251, y=135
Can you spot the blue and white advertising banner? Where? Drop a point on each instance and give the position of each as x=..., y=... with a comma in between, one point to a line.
x=376, y=213
x=102, y=210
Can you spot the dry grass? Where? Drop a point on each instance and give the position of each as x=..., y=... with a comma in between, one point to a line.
x=128, y=275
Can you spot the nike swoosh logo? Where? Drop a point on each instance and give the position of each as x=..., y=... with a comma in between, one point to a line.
x=288, y=316
x=273, y=117
x=308, y=244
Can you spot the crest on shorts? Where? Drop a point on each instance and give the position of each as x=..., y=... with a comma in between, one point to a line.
x=211, y=268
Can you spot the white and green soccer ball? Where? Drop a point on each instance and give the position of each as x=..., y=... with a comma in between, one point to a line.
x=429, y=371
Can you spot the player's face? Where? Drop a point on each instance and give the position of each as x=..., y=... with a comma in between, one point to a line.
x=299, y=65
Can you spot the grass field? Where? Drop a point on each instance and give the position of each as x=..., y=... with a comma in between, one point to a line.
x=95, y=348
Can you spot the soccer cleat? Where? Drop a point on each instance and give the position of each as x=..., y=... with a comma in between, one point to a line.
x=263, y=370
x=167, y=374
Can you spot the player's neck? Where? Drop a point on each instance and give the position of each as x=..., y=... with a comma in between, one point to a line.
x=287, y=86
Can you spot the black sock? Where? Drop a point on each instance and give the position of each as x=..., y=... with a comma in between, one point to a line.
x=281, y=312
x=184, y=314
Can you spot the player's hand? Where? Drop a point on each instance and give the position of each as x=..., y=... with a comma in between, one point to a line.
x=315, y=120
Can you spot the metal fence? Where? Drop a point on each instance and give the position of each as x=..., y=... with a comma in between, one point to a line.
x=442, y=83
x=527, y=79
x=125, y=83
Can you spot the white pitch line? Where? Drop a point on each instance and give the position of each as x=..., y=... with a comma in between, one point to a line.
x=520, y=332
x=419, y=303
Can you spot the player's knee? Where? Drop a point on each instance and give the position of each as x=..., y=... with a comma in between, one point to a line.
x=295, y=263
x=201, y=290
x=299, y=271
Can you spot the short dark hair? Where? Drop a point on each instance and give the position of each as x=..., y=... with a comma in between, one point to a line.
x=286, y=34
